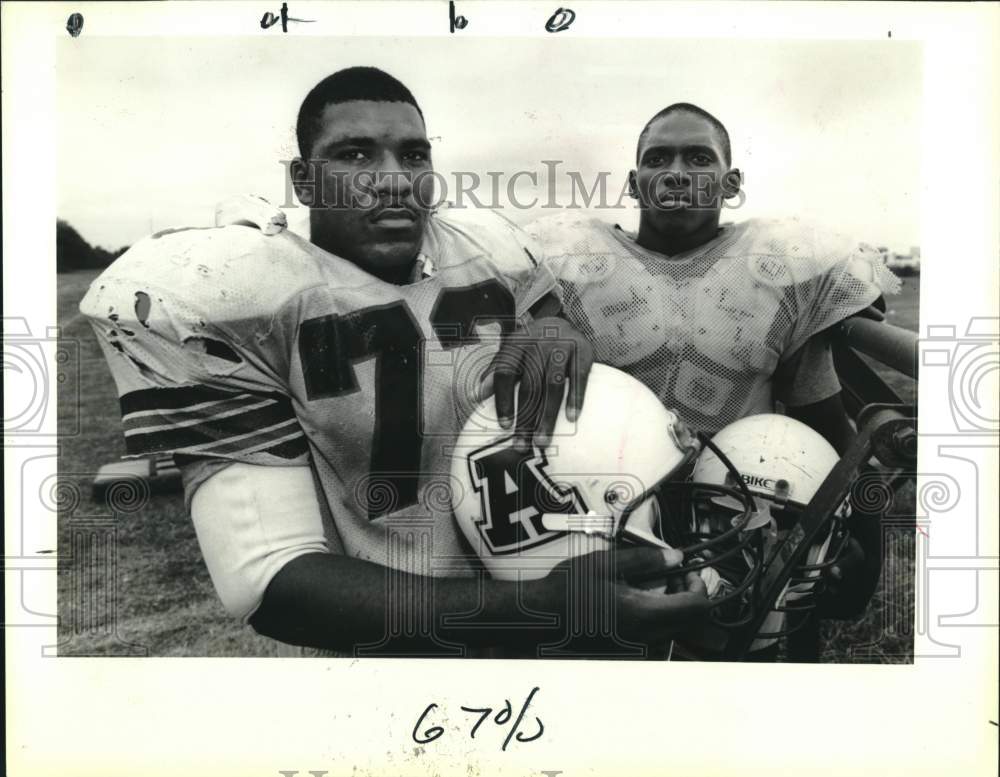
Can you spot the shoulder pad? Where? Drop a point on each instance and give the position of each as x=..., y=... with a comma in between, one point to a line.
x=788, y=252
x=573, y=234
x=233, y=272
x=456, y=235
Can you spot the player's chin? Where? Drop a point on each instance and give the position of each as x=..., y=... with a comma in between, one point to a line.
x=679, y=220
x=392, y=254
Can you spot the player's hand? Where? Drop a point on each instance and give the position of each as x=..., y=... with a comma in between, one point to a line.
x=851, y=560
x=250, y=210
x=840, y=579
x=548, y=358
x=641, y=613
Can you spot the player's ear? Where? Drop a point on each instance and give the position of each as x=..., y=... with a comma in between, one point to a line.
x=633, y=185
x=303, y=181
x=732, y=180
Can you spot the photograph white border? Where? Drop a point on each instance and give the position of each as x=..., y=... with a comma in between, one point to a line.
x=225, y=717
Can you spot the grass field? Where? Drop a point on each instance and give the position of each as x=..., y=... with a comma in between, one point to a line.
x=132, y=581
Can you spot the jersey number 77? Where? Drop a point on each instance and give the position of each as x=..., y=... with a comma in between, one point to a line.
x=330, y=346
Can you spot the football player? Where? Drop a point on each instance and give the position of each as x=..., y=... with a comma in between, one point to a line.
x=311, y=391
x=720, y=320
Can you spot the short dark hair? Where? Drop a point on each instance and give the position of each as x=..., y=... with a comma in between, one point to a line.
x=717, y=125
x=353, y=83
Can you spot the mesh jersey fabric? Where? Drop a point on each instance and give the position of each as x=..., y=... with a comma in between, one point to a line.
x=229, y=345
x=706, y=330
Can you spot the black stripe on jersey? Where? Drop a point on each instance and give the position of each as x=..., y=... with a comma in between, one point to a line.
x=186, y=416
x=290, y=449
x=177, y=398
x=286, y=432
x=215, y=430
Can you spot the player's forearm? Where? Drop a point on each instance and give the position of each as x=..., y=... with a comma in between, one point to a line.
x=337, y=602
x=829, y=418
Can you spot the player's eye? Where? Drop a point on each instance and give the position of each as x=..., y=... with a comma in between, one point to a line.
x=654, y=161
x=416, y=157
x=352, y=155
x=701, y=159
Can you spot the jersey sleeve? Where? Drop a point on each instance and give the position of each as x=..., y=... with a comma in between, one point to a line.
x=185, y=384
x=809, y=375
x=251, y=522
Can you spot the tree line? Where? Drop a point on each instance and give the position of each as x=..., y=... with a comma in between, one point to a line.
x=73, y=252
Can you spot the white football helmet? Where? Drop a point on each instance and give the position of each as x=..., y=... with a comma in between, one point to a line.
x=782, y=462
x=611, y=476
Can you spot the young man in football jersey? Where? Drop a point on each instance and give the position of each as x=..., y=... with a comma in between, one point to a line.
x=311, y=391
x=721, y=321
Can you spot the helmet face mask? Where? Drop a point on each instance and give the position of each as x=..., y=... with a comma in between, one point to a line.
x=725, y=546
x=782, y=463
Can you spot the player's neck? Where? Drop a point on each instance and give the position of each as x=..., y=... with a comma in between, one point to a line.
x=675, y=244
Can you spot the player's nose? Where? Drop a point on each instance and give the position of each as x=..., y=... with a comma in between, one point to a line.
x=393, y=178
x=677, y=175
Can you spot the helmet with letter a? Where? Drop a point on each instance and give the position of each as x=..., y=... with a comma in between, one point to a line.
x=782, y=463
x=615, y=475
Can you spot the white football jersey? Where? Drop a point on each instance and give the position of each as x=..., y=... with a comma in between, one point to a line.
x=706, y=330
x=230, y=345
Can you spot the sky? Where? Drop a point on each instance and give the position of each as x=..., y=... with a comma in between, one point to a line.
x=154, y=131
